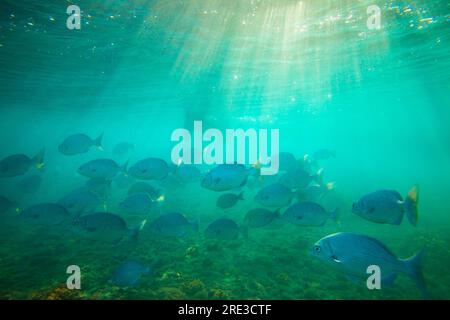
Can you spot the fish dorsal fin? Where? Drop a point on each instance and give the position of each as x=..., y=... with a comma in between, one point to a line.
x=382, y=245
x=395, y=193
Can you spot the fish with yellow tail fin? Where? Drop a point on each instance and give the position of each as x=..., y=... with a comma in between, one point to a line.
x=226, y=177
x=309, y=214
x=81, y=200
x=228, y=200
x=38, y=159
x=388, y=206
x=274, y=195
x=45, y=214
x=410, y=204
x=137, y=203
x=105, y=226
x=105, y=169
x=315, y=191
x=19, y=164
x=79, y=143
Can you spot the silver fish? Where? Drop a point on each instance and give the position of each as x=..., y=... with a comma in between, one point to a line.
x=173, y=224
x=388, y=206
x=299, y=178
x=149, y=169
x=258, y=218
x=79, y=143
x=47, y=214
x=81, y=200
x=101, y=169
x=226, y=177
x=222, y=229
x=105, y=226
x=137, y=203
x=308, y=214
x=228, y=200
x=274, y=195
x=19, y=164
x=352, y=254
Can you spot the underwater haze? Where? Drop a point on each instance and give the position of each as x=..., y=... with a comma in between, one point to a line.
x=87, y=178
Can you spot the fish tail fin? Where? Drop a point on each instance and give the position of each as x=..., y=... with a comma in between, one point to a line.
x=134, y=234
x=38, y=159
x=330, y=186
x=255, y=170
x=278, y=213
x=98, y=142
x=413, y=267
x=389, y=280
x=410, y=205
x=257, y=165
x=142, y=224
x=161, y=198
x=241, y=196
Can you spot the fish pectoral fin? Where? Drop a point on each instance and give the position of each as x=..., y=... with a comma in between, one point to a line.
x=335, y=259
x=389, y=280
x=399, y=219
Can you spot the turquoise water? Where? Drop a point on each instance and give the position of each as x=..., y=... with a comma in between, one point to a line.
x=137, y=70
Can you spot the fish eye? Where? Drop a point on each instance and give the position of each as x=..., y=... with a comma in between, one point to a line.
x=217, y=180
x=317, y=248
